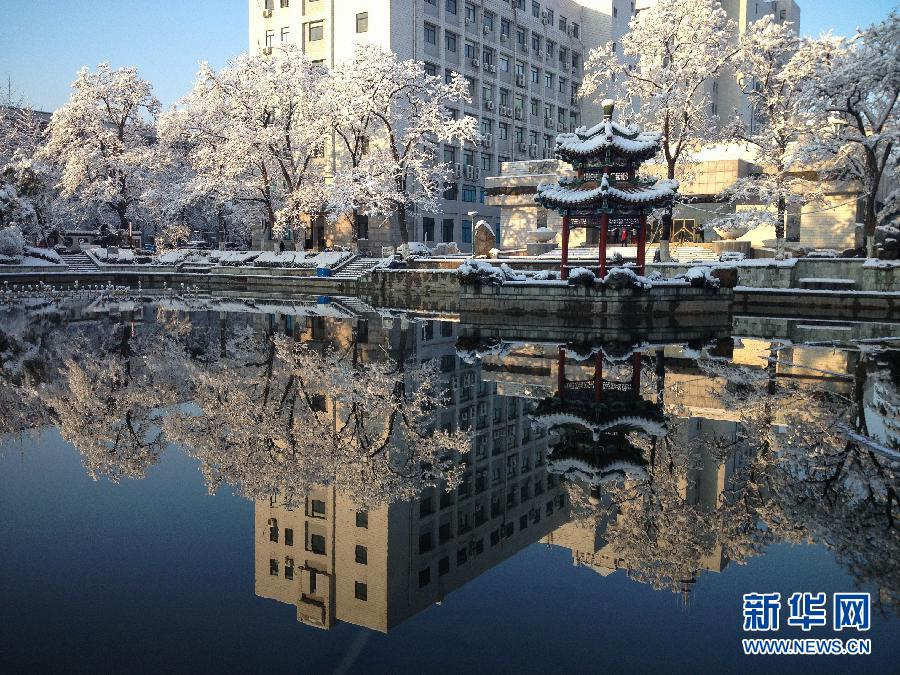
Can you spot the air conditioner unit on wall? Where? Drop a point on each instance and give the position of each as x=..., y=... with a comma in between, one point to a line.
x=267, y=51
x=267, y=13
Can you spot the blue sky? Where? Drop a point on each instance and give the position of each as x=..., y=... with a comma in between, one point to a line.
x=44, y=42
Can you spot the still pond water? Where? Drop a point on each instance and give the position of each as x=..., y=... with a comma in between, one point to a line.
x=321, y=487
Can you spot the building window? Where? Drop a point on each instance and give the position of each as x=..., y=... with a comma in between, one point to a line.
x=362, y=555
x=470, y=12
x=317, y=544
x=431, y=69
x=428, y=228
x=288, y=537
x=486, y=163
x=450, y=6
x=443, y=566
x=563, y=23
x=270, y=37
x=504, y=131
x=273, y=567
x=285, y=34
x=536, y=9
x=430, y=34
x=466, y=232
x=273, y=530
x=361, y=591
x=424, y=577
x=450, y=41
x=362, y=519
x=488, y=21
x=520, y=36
x=574, y=30
x=468, y=193
x=426, y=508
x=504, y=27
x=316, y=31
x=535, y=75
x=447, y=230
x=362, y=22
x=317, y=508
x=535, y=107
x=289, y=569
x=425, y=543
x=503, y=63
x=461, y=557
x=451, y=193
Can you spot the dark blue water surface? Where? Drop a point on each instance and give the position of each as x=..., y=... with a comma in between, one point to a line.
x=156, y=574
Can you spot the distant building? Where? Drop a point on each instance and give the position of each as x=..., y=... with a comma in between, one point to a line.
x=523, y=59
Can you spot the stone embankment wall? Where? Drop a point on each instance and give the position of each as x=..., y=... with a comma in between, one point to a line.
x=879, y=276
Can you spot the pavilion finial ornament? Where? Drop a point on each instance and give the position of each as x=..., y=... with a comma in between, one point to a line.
x=606, y=192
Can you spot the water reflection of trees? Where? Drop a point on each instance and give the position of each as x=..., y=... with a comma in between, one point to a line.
x=263, y=413
x=282, y=416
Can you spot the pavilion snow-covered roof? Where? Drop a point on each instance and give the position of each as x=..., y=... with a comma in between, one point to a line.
x=607, y=140
x=575, y=194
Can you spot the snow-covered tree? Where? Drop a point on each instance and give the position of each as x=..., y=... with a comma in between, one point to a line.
x=389, y=118
x=254, y=132
x=771, y=77
x=101, y=139
x=663, y=71
x=282, y=417
x=853, y=93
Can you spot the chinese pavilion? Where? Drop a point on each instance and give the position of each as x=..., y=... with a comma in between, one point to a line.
x=606, y=192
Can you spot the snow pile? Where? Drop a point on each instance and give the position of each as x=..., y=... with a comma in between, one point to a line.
x=625, y=277
x=228, y=258
x=881, y=264
x=823, y=253
x=47, y=254
x=731, y=256
x=417, y=248
x=12, y=244
x=700, y=276
x=122, y=256
x=545, y=275
x=473, y=270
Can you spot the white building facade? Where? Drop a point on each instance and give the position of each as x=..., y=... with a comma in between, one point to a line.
x=523, y=59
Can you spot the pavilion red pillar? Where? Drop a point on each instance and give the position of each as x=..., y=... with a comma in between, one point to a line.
x=561, y=372
x=598, y=376
x=604, y=225
x=642, y=243
x=563, y=269
x=636, y=372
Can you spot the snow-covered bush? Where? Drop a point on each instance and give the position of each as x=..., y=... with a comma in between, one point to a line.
x=624, y=277
x=12, y=243
x=582, y=276
x=545, y=275
x=418, y=248
x=472, y=271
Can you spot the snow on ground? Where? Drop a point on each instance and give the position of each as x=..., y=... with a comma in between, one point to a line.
x=292, y=259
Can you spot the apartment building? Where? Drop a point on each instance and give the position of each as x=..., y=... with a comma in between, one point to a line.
x=377, y=566
x=523, y=60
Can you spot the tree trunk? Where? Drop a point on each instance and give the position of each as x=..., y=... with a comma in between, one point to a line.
x=221, y=230
x=401, y=224
x=780, y=227
x=666, y=233
x=869, y=218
